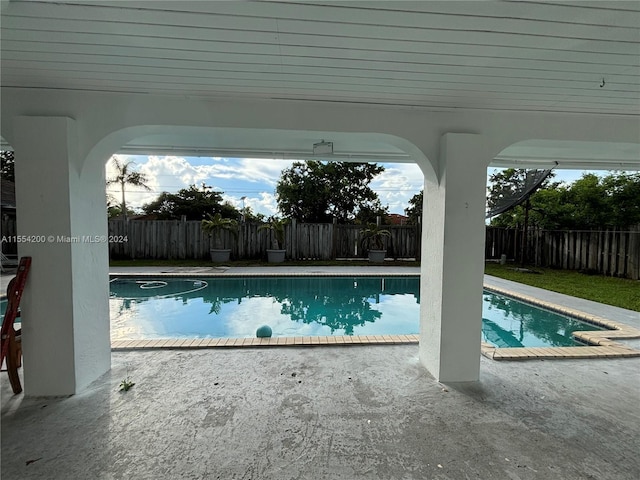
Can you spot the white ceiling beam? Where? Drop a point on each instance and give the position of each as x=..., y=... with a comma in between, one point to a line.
x=461, y=100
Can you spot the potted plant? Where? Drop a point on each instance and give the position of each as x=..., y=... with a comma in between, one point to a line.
x=276, y=227
x=373, y=241
x=214, y=225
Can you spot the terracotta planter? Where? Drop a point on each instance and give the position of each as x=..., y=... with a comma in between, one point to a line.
x=377, y=256
x=275, y=256
x=220, y=254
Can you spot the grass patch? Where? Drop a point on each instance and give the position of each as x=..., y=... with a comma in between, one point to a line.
x=618, y=292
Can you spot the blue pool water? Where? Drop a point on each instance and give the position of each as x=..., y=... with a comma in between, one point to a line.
x=155, y=308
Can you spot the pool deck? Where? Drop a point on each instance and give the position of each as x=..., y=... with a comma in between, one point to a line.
x=366, y=412
x=622, y=325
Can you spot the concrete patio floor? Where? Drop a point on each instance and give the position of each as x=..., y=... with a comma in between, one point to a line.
x=341, y=412
x=354, y=412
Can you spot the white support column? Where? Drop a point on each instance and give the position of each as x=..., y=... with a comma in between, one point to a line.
x=453, y=261
x=65, y=309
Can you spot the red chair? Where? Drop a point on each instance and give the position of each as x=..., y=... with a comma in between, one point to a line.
x=11, y=345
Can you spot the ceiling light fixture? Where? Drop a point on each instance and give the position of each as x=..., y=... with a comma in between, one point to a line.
x=323, y=148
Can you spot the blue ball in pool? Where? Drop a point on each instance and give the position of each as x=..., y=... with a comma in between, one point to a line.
x=264, y=331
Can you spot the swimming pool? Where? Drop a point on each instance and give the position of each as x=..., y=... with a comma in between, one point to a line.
x=234, y=307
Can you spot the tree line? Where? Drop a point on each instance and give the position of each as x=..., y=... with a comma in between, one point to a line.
x=589, y=203
x=309, y=191
x=317, y=192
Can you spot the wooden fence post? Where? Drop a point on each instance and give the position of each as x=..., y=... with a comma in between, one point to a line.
x=634, y=253
x=622, y=255
x=294, y=239
x=334, y=239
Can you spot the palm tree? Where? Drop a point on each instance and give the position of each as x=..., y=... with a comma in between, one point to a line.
x=373, y=237
x=276, y=225
x=127, y=176
x=215, y=224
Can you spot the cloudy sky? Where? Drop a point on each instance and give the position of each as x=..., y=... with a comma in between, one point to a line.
x=256, y=180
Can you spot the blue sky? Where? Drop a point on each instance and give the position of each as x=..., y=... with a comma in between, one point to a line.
x=256, y=180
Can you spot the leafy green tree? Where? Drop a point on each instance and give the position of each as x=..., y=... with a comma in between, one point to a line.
x=369, y=214
x=414, y=210
x=250, y=216
x=548, y=209
x=7, y=164
x=114, y=211
x=125, y=175
x=193, y=202
x=508, y=185
x=623, y=193
x=314, y=191
x=589, y=203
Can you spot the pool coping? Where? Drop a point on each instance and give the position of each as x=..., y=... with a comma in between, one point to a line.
x=599, y=342
x=194, y=343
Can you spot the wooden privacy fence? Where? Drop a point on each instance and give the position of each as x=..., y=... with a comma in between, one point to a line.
x=174, y=239
x=611, y=252
x=615, y=252
x=404, y=241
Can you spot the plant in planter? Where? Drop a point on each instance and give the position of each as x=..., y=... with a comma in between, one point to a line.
x=276, y=226
x=214, y=225
x=373, y=241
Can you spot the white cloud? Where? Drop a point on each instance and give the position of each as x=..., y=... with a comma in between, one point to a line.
x=171, y=173
x=261, y=170
x=397, y=184
x=264, y=203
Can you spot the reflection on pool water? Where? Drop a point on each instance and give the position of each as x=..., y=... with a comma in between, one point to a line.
x=152, y=308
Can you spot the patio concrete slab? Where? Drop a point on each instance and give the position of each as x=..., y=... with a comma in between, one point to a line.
x=334, y=412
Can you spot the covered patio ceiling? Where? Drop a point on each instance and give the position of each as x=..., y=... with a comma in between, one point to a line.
x=574, y=57
x=525, y=56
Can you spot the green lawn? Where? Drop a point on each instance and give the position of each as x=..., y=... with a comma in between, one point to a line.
x=619, y=292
